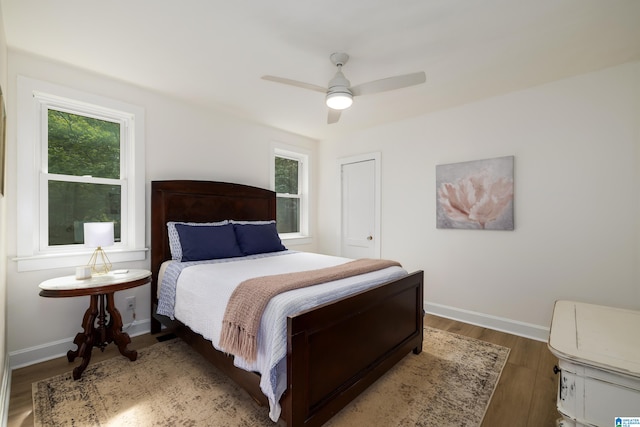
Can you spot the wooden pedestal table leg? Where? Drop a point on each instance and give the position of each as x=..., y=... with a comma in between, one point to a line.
x=114, y=330
x=100, y=334
x=84, y=340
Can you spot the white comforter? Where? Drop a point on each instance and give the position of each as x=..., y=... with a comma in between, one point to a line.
x=203, y=291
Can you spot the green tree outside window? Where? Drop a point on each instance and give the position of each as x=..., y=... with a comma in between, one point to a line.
x=81, y=148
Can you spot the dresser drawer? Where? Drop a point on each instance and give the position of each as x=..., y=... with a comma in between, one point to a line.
x=589, y=396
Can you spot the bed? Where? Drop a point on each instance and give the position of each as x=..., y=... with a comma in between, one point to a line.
x=333, y=351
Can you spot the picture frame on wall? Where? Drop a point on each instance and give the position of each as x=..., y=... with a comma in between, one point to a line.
x=475, y=195
x=3, y=134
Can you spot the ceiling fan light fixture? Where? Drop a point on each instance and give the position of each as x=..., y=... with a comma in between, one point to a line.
x=339, y=92
x=339, y=100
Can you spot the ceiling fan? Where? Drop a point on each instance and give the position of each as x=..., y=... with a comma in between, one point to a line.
x=340, y=93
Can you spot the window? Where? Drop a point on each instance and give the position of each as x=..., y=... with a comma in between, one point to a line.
x=80, y=159
x=288, y=196
x=290, y=182
x=82, y=171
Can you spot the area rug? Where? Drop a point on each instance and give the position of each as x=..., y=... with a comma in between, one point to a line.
x=449, y=384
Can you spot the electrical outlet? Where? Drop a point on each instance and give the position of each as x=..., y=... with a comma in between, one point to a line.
x=131, y=303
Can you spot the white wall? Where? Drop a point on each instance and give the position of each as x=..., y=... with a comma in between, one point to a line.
x=577, y=209
x=577, y=189
x=182, y=142
x=5, y=374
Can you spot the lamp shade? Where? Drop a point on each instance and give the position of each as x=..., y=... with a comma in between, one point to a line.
x=339, y=100
x=98, y=234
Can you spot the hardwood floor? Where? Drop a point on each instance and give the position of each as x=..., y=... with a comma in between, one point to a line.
x=525, y=395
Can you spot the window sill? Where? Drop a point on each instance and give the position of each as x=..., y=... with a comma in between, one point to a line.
x=74, y=259
x=295, y=239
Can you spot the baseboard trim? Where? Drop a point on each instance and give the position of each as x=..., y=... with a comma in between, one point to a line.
x=5, y=392
x=514, y=327
x=55, y=349
x=29, y=356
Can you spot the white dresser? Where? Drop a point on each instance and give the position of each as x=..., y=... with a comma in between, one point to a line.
x=598, y=349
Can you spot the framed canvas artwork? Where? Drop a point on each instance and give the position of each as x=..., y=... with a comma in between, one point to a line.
x=475, y=195
x=3, y=132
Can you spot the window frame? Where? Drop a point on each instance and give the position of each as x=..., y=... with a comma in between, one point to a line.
x=304, y=172
x=35, y=97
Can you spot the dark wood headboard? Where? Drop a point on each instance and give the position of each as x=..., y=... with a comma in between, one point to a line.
x=201, y=201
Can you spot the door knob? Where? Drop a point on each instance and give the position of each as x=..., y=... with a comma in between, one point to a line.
x=370, y=238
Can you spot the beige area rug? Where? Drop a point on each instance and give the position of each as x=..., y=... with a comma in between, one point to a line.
x=449, y=384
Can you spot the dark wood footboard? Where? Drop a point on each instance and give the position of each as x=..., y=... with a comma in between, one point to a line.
x=334, y=351
x=337, y=350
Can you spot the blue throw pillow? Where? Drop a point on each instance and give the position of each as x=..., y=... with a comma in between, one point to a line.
x=258, y=238
x=207, y=242
x=174, y=239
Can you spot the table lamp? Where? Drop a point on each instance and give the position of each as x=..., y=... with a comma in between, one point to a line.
x=97, y=235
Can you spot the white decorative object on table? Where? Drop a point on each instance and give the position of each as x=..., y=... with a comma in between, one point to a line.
x=83, y=272
x=98, y=235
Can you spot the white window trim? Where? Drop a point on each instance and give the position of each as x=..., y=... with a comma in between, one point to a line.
x=30, y=254
x=304, y=157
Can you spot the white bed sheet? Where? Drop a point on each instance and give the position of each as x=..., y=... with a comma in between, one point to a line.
x=203, y=291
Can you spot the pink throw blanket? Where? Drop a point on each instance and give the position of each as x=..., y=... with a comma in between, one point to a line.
x=245, y=307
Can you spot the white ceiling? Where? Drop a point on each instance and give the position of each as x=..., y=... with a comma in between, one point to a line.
x=214, y=52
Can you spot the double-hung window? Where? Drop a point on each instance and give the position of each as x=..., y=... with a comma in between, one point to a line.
x=291, y=184
x=81, y=159
x=81, y=179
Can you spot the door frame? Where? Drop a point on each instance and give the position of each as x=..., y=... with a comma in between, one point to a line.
x=376, y=157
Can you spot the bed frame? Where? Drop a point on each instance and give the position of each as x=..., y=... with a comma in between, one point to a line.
x=335, y=351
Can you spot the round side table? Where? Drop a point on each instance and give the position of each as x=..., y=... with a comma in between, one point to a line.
x=108, y=327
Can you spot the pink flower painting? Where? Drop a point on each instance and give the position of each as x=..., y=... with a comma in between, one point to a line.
x=476, y=194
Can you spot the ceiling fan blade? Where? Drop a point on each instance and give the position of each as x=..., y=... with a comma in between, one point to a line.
x=295, y=83
x=334, y=116
x=390, y=83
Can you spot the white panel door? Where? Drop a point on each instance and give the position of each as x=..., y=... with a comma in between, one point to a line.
x=359, y=210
